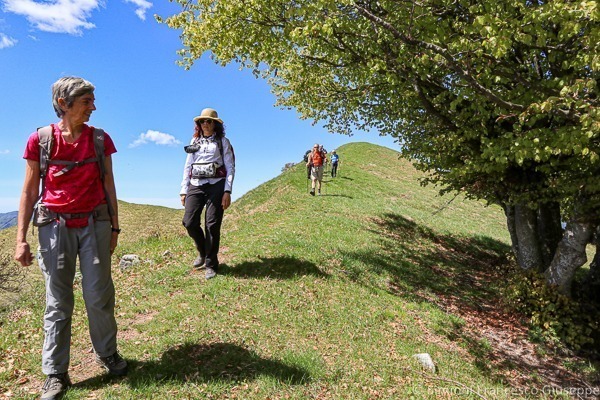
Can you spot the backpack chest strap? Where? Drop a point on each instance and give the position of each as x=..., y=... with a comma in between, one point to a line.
x=69, y=165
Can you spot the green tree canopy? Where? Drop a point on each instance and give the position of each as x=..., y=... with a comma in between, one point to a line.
x=498, y=99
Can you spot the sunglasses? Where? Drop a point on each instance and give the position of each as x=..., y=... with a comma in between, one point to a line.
x=204, y=121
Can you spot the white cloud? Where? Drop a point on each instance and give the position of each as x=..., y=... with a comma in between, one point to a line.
x=59, y=16
x=142, y=7
x=6, y=41
x=159, y=138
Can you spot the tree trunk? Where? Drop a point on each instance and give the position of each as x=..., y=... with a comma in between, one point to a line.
x=529, y=255
x=549, y=231
x=509, y=211
x=569, y=256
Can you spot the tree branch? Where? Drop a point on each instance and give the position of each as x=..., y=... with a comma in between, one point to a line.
x=431, y=108
x=444, y=53
x=454, y=65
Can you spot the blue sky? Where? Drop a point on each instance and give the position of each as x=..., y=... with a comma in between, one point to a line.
x=144, y=100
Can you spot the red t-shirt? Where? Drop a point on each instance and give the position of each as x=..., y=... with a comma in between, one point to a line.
x=80, y=189
x=317, y=158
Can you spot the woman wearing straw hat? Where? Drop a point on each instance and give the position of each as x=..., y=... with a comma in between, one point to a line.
x=207, y=181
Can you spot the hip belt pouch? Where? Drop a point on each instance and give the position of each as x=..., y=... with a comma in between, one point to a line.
x=208, y=170
x=101, y=213
x=43, y=216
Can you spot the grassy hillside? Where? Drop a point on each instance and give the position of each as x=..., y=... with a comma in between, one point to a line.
x=8, y=219
x=324, y=297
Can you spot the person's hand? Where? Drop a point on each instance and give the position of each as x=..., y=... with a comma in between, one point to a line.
x=182, y=199
x=226, y=202
x=23, y=254
x=113, y=242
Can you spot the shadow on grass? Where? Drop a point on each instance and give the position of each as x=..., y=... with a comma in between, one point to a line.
x=461, y=275
x=273, y=268
x=420, y=260
x=200, y=363
x=337, y=195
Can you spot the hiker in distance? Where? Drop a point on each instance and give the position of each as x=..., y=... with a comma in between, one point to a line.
x=207, y=181
x=76, y=216
x=335, y=159
x=307, y=164
x=325, y=161
x=316, y=159
x=323, y=150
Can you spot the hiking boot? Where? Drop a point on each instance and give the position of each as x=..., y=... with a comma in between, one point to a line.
x=115, y=364
x=210, y=273
x=312, y=192
x=199, y=261
x=55, y=386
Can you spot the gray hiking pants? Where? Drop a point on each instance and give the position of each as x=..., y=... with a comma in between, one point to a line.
x=92, y=245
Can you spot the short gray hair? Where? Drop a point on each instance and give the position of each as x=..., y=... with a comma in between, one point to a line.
x=69, y=88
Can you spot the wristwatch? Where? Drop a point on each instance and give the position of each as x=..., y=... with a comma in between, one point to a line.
x=118, y=230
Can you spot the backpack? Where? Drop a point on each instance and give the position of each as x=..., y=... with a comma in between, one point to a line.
x=306, y=155
x=222, y=170
x=220, y=146
x=46, y=138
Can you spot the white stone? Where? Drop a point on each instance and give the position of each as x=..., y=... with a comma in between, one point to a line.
x=426, y=361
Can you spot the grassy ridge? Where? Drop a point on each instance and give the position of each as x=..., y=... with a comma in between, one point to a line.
x=320, y=297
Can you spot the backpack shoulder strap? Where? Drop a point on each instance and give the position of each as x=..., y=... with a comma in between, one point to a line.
x=46, y=139
x=99, y=149
x=99, y=136
x=220, y=145
x=230, y=147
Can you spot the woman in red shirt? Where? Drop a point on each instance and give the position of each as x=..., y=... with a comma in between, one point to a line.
x=76, y=224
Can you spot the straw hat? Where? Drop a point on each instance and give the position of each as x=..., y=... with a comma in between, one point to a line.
x=208, y=113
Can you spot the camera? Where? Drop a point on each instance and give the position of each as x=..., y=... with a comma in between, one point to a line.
x=192, y=148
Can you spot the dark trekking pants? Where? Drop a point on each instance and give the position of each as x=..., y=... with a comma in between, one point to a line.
x=207, y=241
x=334, y=169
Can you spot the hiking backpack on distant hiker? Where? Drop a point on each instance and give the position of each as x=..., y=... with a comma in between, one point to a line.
x=306, y=155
